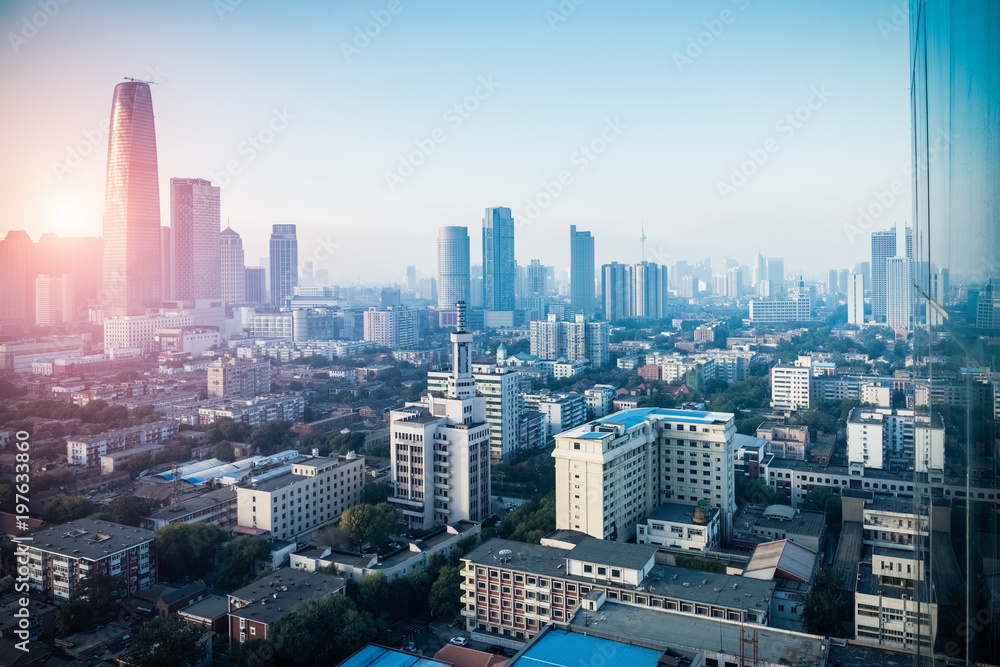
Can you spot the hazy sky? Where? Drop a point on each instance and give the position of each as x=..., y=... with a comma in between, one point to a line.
x=643, y=109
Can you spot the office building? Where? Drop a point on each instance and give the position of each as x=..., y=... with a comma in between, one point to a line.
x=775, y=310
x=612, y=472
x=791, y=385
x=883, y=247
x=194, y=235
x=55, y=301
x=441, y=448
x=233, y=271
x=59, y=557
x=499, y=267
x=284, y=262
x=453, y=281
x=581, y=273
x=138, y=332
x=394, y=327
x=256, y=285
x=132, y=280
x=855, y=299
x=899, y=293
x=295, y=504
x=239, y=377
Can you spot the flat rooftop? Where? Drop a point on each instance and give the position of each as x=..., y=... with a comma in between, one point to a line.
x=381, y=656
x=561, y=648
x=803, y=523
x=678, y=513
x=686, y=634
x=190, y=504
x=636, y=416
x=89, y=538
x=606, y=552
x=845, y=564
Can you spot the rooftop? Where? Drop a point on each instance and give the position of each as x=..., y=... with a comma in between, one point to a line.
x=637, y=416
x=561, y=648
x=759, y=517
x=845, y=565
x=89, y=538
x=677, y=513
x=283, y=592
x=606, y=552
x=373, y=655
x=194, y=503
x=210, y=607
x=781, y=560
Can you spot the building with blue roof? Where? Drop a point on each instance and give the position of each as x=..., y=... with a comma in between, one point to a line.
x=614, y=471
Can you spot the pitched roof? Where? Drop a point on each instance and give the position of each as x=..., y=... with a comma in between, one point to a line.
x=781, y=560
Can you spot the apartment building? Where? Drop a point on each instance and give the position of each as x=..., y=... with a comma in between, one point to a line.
x=612, y=472
x=562, y=411
x=215, y=507
x=255, y=412
x=890, y=439
x=599, y=399
x=60, y=556
x=786, y=442
x=791, y=385
x=513, y=589
x=579, y=340
x=139, y=331
x=87, y=450
x=292, y=502
x=395, y=327
x=239, y=377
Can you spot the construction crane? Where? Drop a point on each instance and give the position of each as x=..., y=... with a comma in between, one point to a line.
x=128, y=78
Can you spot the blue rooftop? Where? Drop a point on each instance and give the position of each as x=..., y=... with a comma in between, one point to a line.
x=559, y=648
x=380, y=656
x=635, y=417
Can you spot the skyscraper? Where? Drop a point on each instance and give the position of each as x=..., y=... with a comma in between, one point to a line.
x=498, y=259
x=131, y=205
x=453, y=282
x=17, y=279
x=634, y=291
x=411, y=278
x=234, y=282
x=284, y=263
x=194, y=239
x=581, y=271
x=776, y=276
x=899, y=292
x=855, y=299
x=166, y=262
x=54, y=299
x=256, y=285
x=883, y=247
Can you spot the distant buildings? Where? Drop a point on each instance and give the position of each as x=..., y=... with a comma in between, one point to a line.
x=233, y=271
x=55, y=300
x=580, y=340
x=613, y=472
x=394, y=327
x=59, y=557
x=194, y=235
x=453, y=284
x=581, y=264
x=798, y=308
x=253, y=412
x=256, y=285
x=132, y=257
x=899, y=293
x=138, y=332
x=239, y=377
x=499, y=266
x=791, y=385
x=856, y=299
x=284, y=259
x=87, y=450
x=634, y=291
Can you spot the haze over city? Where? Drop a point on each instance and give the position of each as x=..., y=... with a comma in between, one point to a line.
x=688, y=115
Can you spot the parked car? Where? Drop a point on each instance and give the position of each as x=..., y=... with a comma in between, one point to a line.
x=459, y=641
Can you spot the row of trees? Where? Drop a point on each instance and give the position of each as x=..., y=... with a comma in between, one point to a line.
x=203, y=551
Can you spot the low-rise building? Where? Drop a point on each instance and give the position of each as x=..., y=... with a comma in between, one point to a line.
x=256, y=411
x=216, y=507
x=599, y=399
x=786, y=442
x=88, y=450
x=756, y=524
x=253, y=608
x=676, y=526
x=791, y=385
x=562, y=411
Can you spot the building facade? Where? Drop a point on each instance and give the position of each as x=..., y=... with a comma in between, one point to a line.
x=195, y=219
x=284, y=258
x=239, y=377
x=791, y=385
x=233, y=270
x=499, y=266
x=581, y=272
x=454, y=277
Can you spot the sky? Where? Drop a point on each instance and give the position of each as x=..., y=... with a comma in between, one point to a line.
x=720, y=126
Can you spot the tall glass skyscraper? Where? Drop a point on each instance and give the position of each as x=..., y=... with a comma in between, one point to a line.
x=883, y=247
x=194, y=235
x=131, y=205
x=284, y=263
x=454, y=276
x=581, y=272
x=499, y=267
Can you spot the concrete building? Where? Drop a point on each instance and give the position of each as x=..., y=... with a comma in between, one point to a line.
x=798, y=308
x=215, y=507
x=253, y=412
x=562, y=411
x=393, y=327
x=791, y=385
x=233, y=270
x=59, y=557
x=599, y=399
x=580, y=340
x=239, y=377
x=254, y=608
x=284, y=258
x=634, y=291
x=612, y=472
x=191, y=341
x=441, y=448
x=18, y=356
x=499, y=265
x=87, y=450
x=883, y=245
x=899, y=293
x=856, y=299
x=55, y=299
x=139, y=331
x=454, y=277
x=677, y=526
x=294, y=501
x=785, y=442
x=256, y=285
x=194, y=240
x=581, y=273
x=756, y=524
x=884, y=438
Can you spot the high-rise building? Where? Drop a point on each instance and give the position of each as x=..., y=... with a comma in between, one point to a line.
x=131, y=205
x=441, y=448
x=411, y=278
x=856, y=299
x=391, y=297
x=734, y=282
x=17, y=279
x=759, y=272
x=499, y=267
x=842, y=280
x=194, y=236
x=883, y=247
x=899, y=292
x=776, y=276
x=453, y=266
x=393, y=327
x=55, y=301
x=256, y=284
x=239, y=377
x=581, y=272
x=284, y=263
x=791, y=385
x=234, y=280
x=166, y=264
x=580, y=340
x=80, y=257
x=636, y=291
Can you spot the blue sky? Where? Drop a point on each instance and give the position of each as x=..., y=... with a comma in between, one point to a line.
x=663, y=135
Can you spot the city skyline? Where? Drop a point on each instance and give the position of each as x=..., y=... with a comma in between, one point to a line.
x=610, y=195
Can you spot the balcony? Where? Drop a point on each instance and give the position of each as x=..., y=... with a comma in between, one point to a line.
x=469, y=613
x=442, y=485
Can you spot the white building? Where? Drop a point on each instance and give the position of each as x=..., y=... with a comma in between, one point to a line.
x=562, y=411
x=293, y=504
x=883, y=438
x=394, y=327
x=899, y=293
x=139, y=331
x=187, y=340
x=254, y=412
x=791, y=384
x=580, y=340
x=599, y=399
x=856, y=299
x=87, y=450
x=680, y=526
x=798, y=308
x=441, y=448
x=234, y=280
x=614, y=472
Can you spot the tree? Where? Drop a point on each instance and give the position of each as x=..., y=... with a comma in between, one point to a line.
x=273, y=437
x=333, y=536
x=165, y=641
x=374, y=494
x=187, y=549
x=238, y=561
x=102, y=591
x=372, y=592
x=370, y=524
x=225, y=428
x=74, y=616
x=137, y=463
x=65, y=508
x=822, y=499
x=445, y=597
x=531, y=521
x=129, y=510
x=224, y=452
x=822, y=610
